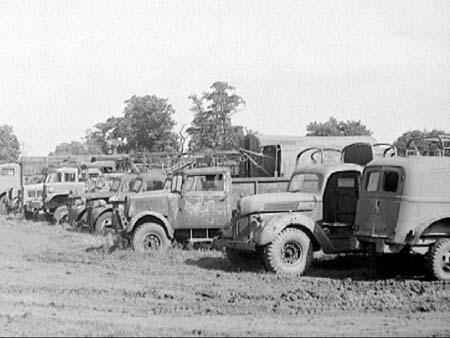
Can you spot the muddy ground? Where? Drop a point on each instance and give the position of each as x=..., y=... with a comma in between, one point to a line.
x=57, y=282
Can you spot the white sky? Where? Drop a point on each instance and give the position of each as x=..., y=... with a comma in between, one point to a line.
x=66, y=65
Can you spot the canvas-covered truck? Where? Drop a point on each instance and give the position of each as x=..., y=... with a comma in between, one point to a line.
x=200, y=203
x=405, y=206
x=316, y=213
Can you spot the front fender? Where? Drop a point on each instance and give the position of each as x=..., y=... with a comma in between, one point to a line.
x=98, y=211
x=150, y=214
x=268, y=232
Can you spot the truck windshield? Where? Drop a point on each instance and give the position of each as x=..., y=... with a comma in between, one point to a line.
x=136, y=185
x=204, y=183
x=53, y=178
x=305, y=182
x=114, y=185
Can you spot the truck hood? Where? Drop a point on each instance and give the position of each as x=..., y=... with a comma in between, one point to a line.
x=276, y=202
x=157, y=200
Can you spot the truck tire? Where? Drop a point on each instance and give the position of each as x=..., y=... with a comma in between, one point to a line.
x=61, y=214
x=289, y=253
x=438, y=259
x=103, y=224
x=150, y=237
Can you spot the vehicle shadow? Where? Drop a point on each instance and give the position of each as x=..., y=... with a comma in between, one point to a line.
x=356, y=267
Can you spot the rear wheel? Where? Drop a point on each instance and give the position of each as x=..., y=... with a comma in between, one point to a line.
x=289, y=253
x=438, y=259
x=150, y=237
x=103, y=225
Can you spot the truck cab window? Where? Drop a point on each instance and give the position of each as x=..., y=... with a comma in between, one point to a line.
x=390, y=181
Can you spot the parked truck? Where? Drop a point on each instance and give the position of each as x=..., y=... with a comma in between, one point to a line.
x=10, y=177
x=316, y=213
x=99, y=215
x=405, y=206
x=201, y=201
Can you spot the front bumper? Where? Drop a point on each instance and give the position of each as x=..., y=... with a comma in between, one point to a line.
x=220, y=243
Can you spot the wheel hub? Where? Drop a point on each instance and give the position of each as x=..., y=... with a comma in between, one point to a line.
x=446, y=261
x=152, y=242
x=291, y=253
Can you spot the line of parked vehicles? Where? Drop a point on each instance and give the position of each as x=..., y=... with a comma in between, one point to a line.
x=366, y=200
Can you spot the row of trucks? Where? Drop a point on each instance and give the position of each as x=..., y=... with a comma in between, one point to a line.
x=389, y=204
x=370, y=200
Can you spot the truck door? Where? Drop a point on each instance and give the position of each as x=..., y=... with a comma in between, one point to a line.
x=379, y=204
x=204, y=202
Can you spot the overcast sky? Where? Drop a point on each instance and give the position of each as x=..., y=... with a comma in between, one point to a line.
x=66, y=65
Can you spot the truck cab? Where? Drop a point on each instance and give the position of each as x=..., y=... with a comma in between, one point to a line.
x=316, y=213
x=405, y=206
x=10, y=174
x=58, y=185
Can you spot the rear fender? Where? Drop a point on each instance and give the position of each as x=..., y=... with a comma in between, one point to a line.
x=270, y=231
x=150, y=216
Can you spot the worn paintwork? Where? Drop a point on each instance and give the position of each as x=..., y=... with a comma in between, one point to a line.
x=262, y=217
x=186, y=207
x=419, y=207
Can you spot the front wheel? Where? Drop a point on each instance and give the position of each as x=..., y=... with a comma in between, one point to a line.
x=438, y=259
x=150, y=237
x=103, y=225
x=289, y=253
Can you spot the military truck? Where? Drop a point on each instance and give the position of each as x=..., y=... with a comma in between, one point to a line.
x=32, y=199
x=405, y=206
x=98, y=215
x=78, y=204
x=316, y=213
x=200, y=203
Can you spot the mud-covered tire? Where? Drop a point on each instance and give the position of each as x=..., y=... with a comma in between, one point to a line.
x=103, y=224
x=289, y=253
x=438, y=259
x=150, y=237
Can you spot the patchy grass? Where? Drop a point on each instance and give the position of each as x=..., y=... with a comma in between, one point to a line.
x=59, y=282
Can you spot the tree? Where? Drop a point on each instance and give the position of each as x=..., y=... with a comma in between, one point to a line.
x=9, y=144
x=403, y=140
x=72, y=148
x=334, y=128
x=147, y=125
x=211, y=126
x=105, y=137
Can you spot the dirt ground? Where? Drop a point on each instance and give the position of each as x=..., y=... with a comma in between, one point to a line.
x=56, y=282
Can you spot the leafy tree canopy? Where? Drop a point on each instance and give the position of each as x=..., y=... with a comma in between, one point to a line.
x=9, y=144
x=147, y=125
x=403, y=140
x=333, y=127
x=211, y=127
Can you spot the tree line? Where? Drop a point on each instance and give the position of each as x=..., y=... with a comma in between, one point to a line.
x=147, y=125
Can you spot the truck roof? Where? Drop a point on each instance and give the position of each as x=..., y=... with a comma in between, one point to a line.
x=207, y=171
x=326, y=169
x=414, y=163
